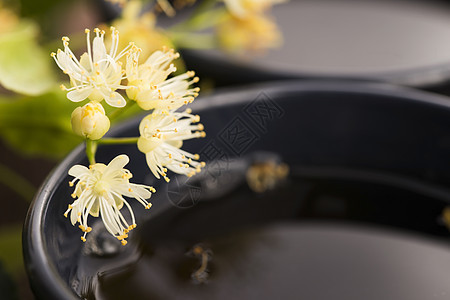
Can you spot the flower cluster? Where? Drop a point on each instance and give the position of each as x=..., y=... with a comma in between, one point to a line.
x=248, y=26
x=109, y=75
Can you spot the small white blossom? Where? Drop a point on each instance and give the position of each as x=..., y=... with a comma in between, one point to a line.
x=98, y=73
x=90, y=121
x=162, y=135
x=99, y=192
x=149, y=85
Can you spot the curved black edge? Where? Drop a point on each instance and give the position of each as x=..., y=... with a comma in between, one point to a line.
x=40, y=270
x=227, y=71
x=42, y=273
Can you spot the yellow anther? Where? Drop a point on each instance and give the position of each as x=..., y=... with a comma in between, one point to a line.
x=202, y=164
x=83, y=239
x=70, y=183
x=196, y=156
x=130, y=190
x=188, y=111
x=89, y=229
x=79, y=214
x=53, y=54
x=86, y=31
x=148, y=206
x=82, y=227
x=73, y=195
x=195, y=79
x=63, y=87
x=65, y=215
x=124, y=242
x=200, y=127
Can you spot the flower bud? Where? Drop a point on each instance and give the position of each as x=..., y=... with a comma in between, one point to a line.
x=90, y=121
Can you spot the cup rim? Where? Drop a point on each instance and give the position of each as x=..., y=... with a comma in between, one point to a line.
x=43, y=276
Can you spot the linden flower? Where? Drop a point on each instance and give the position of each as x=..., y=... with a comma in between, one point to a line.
x=149, y=85
x=162, y=135
x=255, y=33
x=100, y=190
x=243, y=8
x=90, y=121
x=98, y=73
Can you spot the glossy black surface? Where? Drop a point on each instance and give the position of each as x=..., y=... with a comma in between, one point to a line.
x=320, y=127
x=396, y=41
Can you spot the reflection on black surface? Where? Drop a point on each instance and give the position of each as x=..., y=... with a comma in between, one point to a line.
x=260, y=247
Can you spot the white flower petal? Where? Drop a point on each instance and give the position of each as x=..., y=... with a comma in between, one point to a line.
x=80, y=94
x=117, y=163
x=115, y=100
x=99, y=50
x=78, y=171
x=85, y=62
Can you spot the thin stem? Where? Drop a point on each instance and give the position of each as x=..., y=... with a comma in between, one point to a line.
x=17, y=183
x=114, y=141
x=91, y=149
x=115, y=114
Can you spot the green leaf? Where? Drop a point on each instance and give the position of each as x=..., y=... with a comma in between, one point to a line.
x=39, y=125
x=24, y=66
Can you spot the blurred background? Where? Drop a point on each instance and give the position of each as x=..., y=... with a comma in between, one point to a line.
x=401, y=42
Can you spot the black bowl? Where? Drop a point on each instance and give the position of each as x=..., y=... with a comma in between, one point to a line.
x=359, y=153
x=401, y=42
